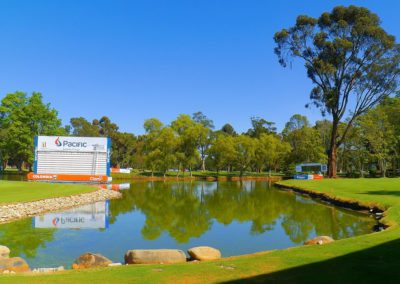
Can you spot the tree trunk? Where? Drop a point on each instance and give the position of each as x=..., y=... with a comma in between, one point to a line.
x=362, y=170
x=332, y=155
x=383, y=168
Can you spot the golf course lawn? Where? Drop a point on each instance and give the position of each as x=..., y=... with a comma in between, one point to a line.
x=19, y=191
x=369, y=258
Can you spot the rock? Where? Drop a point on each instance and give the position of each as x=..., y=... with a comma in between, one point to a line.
x=204, y=253
x=321, y=240
x=154, y=256
x=89, y=260
x=15, y=264
x=4, y=252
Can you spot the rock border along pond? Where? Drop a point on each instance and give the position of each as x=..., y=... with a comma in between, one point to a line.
x=16, y=211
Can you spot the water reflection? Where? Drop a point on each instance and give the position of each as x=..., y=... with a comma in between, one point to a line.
x=91, y=216
x=188, y=210
x=235, y=217
x=23, y=239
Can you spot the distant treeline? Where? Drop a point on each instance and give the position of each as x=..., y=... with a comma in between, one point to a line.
x=191, y=142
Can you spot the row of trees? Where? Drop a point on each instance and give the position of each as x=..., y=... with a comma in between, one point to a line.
x=353, y=64
x=193, y=143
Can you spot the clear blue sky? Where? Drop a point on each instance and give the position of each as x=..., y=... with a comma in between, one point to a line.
x=132, y=60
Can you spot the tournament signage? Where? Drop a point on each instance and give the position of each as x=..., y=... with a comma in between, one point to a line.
x=66, y=158
x=61, y=143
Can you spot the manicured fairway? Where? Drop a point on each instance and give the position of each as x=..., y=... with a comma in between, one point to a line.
x=371, y=258
x=19, y=191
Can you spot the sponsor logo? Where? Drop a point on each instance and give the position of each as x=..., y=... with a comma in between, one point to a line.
x=55, y=221
x=44, y=177
x=57, y=142
x=67, y=220
x=69, y=144
x=95, y=178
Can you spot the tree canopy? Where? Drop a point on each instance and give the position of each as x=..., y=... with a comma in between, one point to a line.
x=351, y=60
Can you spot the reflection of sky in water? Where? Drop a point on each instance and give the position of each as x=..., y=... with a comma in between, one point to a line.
x=233, y=217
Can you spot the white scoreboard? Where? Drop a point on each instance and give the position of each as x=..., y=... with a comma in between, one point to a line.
x=65, y=155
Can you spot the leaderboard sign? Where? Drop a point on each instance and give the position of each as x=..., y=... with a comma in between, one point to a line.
x=65, y=158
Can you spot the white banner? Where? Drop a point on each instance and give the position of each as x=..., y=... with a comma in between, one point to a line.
x=63, y=143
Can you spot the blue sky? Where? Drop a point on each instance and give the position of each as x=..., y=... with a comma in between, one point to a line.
x=132, y=60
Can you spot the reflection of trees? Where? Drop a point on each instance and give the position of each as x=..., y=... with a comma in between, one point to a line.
x=307, y=217
x=186, y=210
x=175, y=208
x=22, y=238
x=248, y=202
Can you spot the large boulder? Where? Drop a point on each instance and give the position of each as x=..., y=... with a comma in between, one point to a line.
x=154, y=256
x=15, y=264
x=89, y=260
x=4, y=252
x=204, y=253
x=321, y=240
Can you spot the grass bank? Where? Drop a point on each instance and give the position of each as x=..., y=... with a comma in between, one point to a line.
x=19, y=191
x=364, y=259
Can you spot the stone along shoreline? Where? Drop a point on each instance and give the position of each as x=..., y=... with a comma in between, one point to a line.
x=12, y=212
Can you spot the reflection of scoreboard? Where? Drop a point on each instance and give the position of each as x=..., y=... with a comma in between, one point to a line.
x=92, y=216
x=75, y=159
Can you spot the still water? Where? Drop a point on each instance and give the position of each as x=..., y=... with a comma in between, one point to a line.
x=237, y=218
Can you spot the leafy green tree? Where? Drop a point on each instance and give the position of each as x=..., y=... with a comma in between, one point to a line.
x=21, y=118
x=245, y=147
x=305, y=142
x=189, y=133
x=139, y=156
x=228, y=130
x=83, y=128
x=164, y=147
x=204, y=128
x=222, y=152
x=324, y=128
x=106, y=127
x=153, y=128
x=391, y=107
x=379, y=134
x=271, y=152
x=349, y=57
x=201, y=118
x=353, y=154
x=260, y=126
x=297, y=121
x=152, y=125
x=123, y=149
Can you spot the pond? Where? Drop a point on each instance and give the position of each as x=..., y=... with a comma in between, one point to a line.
x=237, y=218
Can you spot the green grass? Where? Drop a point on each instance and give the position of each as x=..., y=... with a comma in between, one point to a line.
x=371, y=258
x=19, y=191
